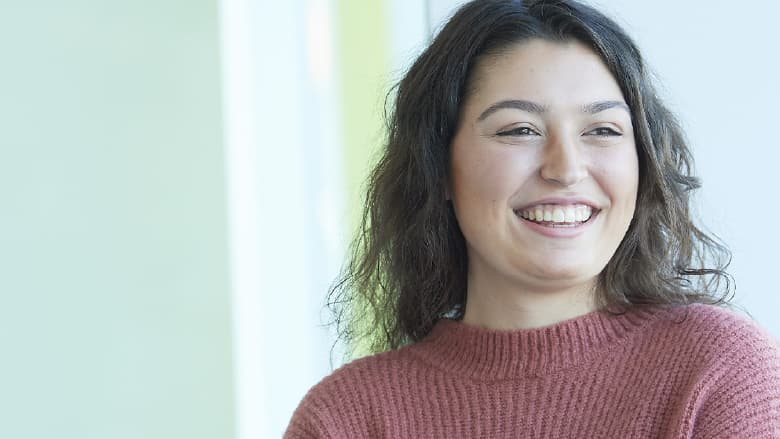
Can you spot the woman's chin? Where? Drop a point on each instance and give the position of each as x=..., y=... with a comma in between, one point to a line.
x=562, y=275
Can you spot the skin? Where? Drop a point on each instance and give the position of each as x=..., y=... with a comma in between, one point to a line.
x=503, y=158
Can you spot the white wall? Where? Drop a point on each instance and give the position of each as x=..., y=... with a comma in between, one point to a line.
x=718, y=66
x=284, y=201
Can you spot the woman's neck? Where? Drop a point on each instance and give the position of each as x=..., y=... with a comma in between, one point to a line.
x=496, y=306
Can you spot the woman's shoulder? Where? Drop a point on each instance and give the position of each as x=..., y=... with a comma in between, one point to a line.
x=355, y=390
x=366, y=370
x=720, y=319
x=733, y=374
x=719, y=333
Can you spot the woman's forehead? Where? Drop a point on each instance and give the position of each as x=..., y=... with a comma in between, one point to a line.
x=553, y=74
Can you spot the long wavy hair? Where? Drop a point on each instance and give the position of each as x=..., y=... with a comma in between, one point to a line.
x=408, y=262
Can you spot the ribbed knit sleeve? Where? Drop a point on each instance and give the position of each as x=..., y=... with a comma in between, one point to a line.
x=339, y=406
x=742, y=398
x=306, y=424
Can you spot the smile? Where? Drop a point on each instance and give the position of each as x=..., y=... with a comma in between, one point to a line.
x=554, y=214
x=556, y=220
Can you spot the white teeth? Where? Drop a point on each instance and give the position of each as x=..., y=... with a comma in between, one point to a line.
x=558, y=214
x=582, y=213
x=569, y=215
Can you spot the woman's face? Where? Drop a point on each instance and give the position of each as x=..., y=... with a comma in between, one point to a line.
x=544, y=169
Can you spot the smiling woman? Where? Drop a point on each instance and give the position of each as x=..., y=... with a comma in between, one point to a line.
x=562, y=146
x=527, y=265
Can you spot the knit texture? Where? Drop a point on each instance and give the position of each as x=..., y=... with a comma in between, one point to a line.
x=697, y=371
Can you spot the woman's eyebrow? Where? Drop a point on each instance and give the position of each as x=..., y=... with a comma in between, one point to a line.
x=599, y=106
x=533, y=107
x=517, y=104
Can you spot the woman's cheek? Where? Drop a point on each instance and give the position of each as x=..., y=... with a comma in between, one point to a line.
x=505, y=171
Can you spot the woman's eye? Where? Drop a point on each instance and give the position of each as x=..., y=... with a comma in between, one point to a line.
x=604, y=132
x=519, y=131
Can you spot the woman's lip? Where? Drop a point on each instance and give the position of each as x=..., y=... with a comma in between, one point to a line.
x=561, y=201
x=559, y=232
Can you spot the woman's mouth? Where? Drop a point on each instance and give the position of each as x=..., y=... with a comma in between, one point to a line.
x=557, y=215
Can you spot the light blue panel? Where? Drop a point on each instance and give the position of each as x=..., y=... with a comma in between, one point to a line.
x=114, y=295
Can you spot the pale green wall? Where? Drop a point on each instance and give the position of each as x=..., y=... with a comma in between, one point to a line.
x=364, y=67
x=114, y=295
x=365, y=81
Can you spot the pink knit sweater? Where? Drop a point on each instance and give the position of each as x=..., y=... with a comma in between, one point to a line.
x=650, y=373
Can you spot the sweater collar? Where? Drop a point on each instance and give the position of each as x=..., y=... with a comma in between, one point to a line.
x=486, y=354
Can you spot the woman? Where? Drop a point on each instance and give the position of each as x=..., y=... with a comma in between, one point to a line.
x=527, y=261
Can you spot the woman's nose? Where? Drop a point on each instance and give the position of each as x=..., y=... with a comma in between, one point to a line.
x=563, y=163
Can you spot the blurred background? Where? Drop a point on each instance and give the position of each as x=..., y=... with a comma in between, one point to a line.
x=179, y=180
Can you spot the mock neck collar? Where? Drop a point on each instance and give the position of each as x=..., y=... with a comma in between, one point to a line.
x=487, y=354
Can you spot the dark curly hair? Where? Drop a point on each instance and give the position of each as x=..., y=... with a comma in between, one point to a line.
x=408, y=264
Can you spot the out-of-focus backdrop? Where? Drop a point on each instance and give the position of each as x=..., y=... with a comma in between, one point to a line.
x=178, y=181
